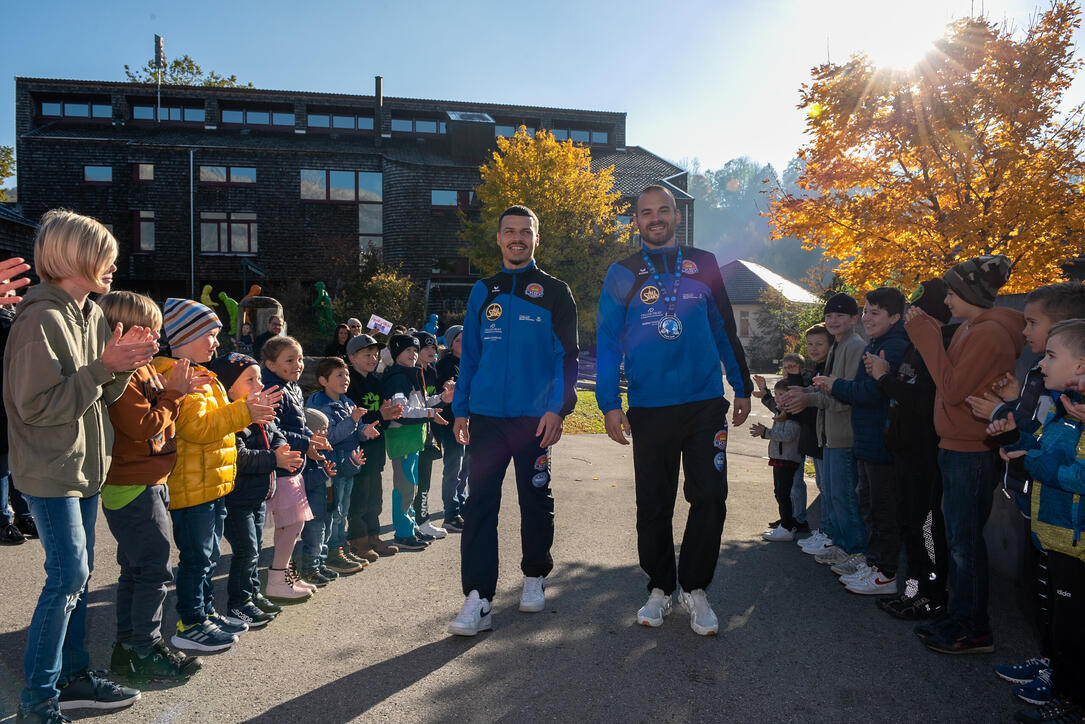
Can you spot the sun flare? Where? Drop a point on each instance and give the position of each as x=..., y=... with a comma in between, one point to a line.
x=895, y=35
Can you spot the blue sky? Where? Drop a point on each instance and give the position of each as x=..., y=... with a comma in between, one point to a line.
x=712, y=79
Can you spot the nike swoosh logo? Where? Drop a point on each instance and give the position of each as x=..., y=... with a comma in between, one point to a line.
x=484, y=613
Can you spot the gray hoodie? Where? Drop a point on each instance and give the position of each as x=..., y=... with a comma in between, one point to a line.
x=56, y=390
x=834, y=416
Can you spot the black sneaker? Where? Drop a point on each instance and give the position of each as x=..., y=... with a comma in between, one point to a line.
x=410, y=544
x=10, y=535
x=454, y=524
x=91, y=691
x=46, y=712
x=1059, y=710
x=252, y=616
x=313, y=576
x=961, y=642
x=160, y=665
x=328, y=573
x=26, y=526
x=916, y=608
x=232, y=626
x=266, y=605
x=933, y=628
x=802, y=527
x=424, y=537
x=775, y=523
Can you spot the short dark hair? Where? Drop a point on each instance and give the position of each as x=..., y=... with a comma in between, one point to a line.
x=1065, y=300
x=655, y=187
x=1072, y=332
x=781, y=384
x=518, y=210
x=888, y=298
x=819, y=328
x=327, y=365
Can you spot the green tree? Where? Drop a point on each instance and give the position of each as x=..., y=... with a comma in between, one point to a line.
x=182, y=71
x=577, y=210
x=7, y=167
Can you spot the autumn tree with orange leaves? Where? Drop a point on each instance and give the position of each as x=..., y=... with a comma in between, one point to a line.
x=577, y=208
x=968, y=153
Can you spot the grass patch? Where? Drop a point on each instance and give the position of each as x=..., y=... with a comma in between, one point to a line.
x=586, y=417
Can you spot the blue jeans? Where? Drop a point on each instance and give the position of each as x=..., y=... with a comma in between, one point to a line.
x=968, y=486
x=335, y=533
x=826, y=525
x=243, y=528
x=197, y=531
x=453, y=476
x=7, y=515
x=54, y=646
x=798, y=495
x=842, y=476
x=311, y=550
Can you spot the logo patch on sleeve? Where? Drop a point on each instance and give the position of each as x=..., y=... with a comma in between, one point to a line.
x=493, y=311
x=534, y=290
x=649, y=295
x=689, y=267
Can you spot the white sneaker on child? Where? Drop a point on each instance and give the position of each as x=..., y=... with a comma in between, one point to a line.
x=779, y=533
x=430, y=529
x=652, y=613
x=533, y=599
x=476, y=615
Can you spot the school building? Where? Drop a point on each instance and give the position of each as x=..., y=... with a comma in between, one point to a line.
x=234, y=186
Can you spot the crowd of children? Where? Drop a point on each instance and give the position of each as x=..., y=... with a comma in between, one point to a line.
x=123, y=402
x=911, y=431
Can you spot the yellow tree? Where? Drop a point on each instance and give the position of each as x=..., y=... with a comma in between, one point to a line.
x=577, y=208
x=968, y=153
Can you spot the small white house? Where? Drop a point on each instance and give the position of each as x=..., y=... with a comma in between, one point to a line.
x=745, y=282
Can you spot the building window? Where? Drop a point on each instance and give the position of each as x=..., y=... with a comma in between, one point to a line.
x=144, y=230
x=346, y=186
x=340, y=121
x=98, y=174
x=235, y=175
x=171, y=113
x=443, y=198
x=77, y=109
x=257, y=117
x=508, y=131
x=143, y=172
x=233, y=233
x=419, y=125
x=596, y=136
x=743, y=323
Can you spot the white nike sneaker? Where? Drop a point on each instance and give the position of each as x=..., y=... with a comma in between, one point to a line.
x=476, y=615
x=434, y=530
x=658, y=606
x=533, y=599
x=702, y=619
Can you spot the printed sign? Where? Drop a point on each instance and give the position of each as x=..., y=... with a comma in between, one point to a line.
x=380, y=324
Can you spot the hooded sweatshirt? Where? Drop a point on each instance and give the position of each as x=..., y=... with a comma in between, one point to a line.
x=56, y=390
x=980, y=352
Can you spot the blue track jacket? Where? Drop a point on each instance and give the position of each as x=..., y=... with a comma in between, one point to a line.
x=519, y=347
x=661, y=372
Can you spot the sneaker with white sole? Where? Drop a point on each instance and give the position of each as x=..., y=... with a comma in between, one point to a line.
x=476, y=615
x=1024, y=672
x=779, y=534
x=816, y=538
x=428, y=528
x=1038, y=691
x=658, y=606
x=533, y=598
x=819, y=545
x=203, y=636
x=702, y=619
x=863, y=571
x=229, y=625
x=849, y=565
x=875, y=583
x=831, y=556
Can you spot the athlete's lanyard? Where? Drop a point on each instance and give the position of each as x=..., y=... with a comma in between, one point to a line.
x=670, y=327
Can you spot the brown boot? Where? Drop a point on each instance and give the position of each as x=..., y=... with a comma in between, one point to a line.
x=362, y=548
x=381, y=548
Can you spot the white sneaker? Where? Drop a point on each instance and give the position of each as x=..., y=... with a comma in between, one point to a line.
x=822, y=545
x=815, y=538
x=849, y=565
x=658, y=606
x=857, y=575
x=779, y=533
x=533, y=599
x=874, y=584
x=430, y=529
x=702, y=619
x=476, y=615
x=831, y=556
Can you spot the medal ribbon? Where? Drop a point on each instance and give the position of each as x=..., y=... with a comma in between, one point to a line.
x=671, y=301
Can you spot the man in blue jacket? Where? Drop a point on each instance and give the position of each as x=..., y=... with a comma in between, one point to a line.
x=517, y=383
x=665, y=310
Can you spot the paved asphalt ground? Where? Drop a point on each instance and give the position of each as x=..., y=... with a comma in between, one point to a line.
x=793, y=645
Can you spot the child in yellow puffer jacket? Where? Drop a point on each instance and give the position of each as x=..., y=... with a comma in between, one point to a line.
x=203, y=474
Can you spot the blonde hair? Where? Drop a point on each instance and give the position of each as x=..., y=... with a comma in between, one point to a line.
x=274, y=347
x=130, y=310
x=69, y=245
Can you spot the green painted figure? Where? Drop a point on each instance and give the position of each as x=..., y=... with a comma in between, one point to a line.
x=323, y=307
x=231, y=309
